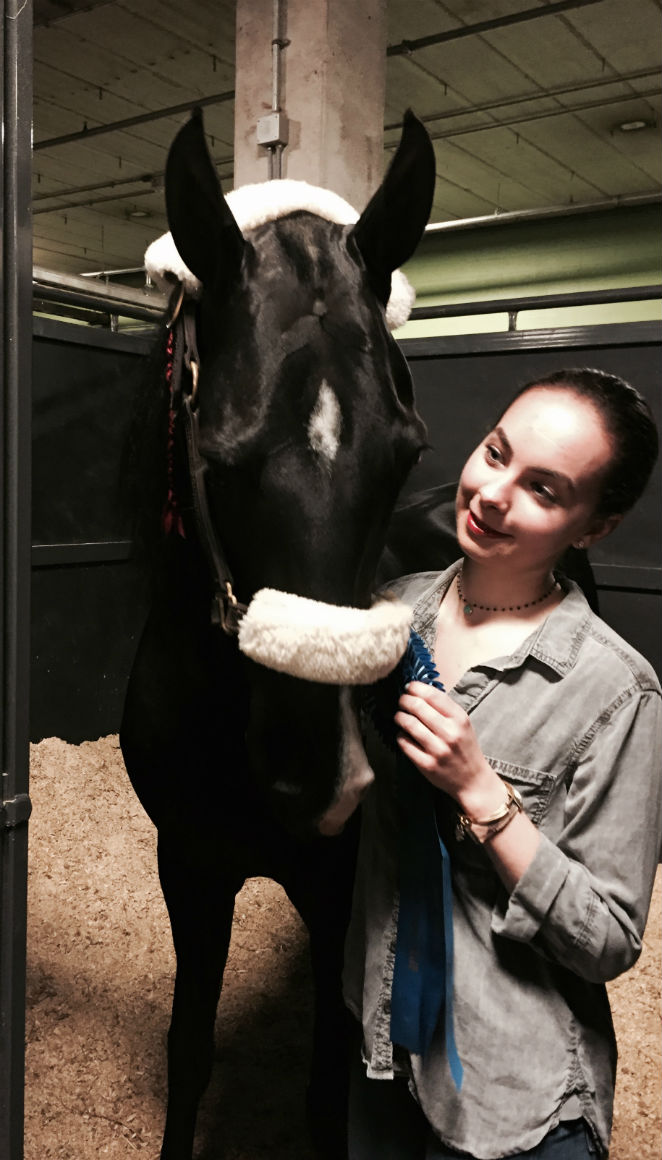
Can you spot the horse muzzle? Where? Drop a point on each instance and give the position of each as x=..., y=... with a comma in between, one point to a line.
x=325, y=643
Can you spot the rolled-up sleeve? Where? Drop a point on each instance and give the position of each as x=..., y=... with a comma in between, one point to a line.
x=583, y=900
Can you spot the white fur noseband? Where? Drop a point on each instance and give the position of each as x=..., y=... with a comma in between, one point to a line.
x=252, y=206
x=324, y=642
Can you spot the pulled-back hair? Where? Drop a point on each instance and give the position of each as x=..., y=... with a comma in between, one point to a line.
x=629, y=423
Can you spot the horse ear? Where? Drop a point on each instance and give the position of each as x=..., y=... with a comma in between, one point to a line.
x=204, y=230
x=392, y=224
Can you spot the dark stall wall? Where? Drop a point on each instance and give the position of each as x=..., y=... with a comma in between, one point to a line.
x=85, y=625
x=84, y=386
x=88, y=598
x=462, y=384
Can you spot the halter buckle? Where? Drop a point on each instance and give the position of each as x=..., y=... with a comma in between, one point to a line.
x=226, y=611
x=195, y=371
x=178, y=305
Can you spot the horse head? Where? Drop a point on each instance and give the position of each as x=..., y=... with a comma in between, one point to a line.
x=307, y=427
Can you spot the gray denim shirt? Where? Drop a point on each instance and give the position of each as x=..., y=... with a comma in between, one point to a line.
x=572, y=719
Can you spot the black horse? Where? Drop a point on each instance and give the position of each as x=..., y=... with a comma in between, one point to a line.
x=300, y=433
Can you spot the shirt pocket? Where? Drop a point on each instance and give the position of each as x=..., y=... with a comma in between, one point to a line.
x=536, y=786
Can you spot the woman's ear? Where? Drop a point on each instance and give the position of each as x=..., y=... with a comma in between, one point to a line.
x=598, y=530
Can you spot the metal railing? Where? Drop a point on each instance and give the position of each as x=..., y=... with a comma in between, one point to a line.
x=513, y=306
x=147, y=304
x=113, y=302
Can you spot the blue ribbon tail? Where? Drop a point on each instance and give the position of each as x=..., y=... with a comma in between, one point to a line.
x=422, y=986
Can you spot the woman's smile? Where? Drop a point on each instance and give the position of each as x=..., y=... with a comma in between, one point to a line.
x=477, y=527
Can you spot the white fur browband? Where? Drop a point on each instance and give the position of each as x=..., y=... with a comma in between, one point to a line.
x=252, y=206
x=324, y=642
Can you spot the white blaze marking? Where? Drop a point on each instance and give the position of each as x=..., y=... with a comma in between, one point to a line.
x=325, y=423
x=356, y=773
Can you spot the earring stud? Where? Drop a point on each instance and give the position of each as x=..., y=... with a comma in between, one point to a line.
x=580, y=544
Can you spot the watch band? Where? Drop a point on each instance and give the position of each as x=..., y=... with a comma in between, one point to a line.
x=482, y=829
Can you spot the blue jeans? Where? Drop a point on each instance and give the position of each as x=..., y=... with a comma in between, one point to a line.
x=386, y=1123
x=569, y=1141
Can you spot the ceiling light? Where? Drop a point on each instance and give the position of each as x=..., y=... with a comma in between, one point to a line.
x=138, y=213
x=634, y=126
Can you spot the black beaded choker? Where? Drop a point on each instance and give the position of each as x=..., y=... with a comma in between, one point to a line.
x=468, y=608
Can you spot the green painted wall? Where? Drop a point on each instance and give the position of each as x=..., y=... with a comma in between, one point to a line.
x=584, y=251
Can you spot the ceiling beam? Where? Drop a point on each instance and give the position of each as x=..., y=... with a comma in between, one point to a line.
x=527, y=118
x=508, y=217
x=151, y=182
x=540, y=95
x=559, y=111
x=47, y=12
x=404, y=48
x=140, y=119
x=407, y=47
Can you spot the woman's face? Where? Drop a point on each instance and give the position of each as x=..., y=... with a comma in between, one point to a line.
x=531, y=488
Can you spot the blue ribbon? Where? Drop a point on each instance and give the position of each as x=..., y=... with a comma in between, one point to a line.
x=422, y=987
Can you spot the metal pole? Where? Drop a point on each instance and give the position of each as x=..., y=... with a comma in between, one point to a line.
x=272, y=128
x=15, y=356
x=275, y=58
x=277, y=45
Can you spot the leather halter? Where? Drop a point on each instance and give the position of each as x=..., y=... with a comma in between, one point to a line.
x=226, y=611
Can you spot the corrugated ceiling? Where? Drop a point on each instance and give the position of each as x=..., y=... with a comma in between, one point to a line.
x=523, y=101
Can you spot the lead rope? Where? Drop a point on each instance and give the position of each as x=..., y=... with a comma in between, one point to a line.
x=171, y=517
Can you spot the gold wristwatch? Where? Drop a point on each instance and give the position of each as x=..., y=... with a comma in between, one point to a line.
x=482, y=829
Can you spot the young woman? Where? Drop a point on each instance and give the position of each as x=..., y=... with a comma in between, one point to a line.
x=544, y=758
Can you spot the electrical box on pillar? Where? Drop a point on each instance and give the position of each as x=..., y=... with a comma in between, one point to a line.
x=273, y=129
x=311, y=78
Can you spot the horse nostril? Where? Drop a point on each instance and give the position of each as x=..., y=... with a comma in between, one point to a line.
x=288, y=788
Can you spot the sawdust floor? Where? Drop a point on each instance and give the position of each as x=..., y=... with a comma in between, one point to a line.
x=99, y=990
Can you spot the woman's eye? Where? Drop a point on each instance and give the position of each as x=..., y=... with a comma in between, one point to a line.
x=492, y=453
x=543, y=492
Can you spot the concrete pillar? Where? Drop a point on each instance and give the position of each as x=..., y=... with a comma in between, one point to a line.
x=333, y=76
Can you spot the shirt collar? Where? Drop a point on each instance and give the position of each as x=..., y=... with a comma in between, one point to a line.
x=555, y=643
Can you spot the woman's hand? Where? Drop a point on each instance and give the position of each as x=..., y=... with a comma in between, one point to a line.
x=438, y=737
